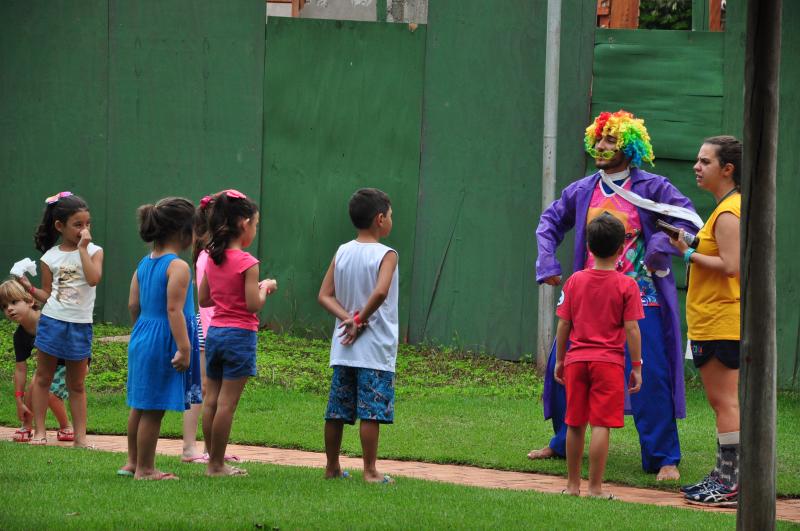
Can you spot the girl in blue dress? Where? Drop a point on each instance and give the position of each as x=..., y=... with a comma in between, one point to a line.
x=163, y=342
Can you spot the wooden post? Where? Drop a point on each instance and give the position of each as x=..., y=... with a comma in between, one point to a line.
x=715, y=15
x=757, y=385
x=618, y=14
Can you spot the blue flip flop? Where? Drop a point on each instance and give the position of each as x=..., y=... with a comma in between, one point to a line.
x=124, y=473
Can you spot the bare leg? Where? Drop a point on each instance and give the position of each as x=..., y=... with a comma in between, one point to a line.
x=133, y=432
x=229, y=394
x=76, y=375
x=40, y=389
x=56, y=405
x=333, y=444
x=598, y=454
x=370, y=433
x=575, y=443
x=203, y=388
x=722, y=390
x=210, y=409
x=146, y=441
x=28, y=401
x=190, y=417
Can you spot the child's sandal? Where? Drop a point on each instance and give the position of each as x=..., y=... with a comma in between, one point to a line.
x=41, y=441
x=23, y=435
x=65, y=434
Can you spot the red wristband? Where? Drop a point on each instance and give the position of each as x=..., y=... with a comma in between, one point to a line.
x=31, y=289
x=356, y=320
x=19, y=394
x=636, y=363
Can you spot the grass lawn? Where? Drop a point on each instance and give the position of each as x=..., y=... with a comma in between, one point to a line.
x=450, y=408
x=77, y=489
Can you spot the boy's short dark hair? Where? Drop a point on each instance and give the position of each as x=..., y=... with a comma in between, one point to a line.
x=605, y=234
x=367, y=203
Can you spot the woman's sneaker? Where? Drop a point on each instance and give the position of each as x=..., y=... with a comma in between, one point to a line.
x=703, y=484
x=718, y=495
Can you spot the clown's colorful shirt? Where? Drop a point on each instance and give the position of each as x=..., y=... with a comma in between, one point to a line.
x=631, y=262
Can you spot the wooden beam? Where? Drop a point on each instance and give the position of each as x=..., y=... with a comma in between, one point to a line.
x=603, y=13
x=624, y=14
x=715, y=15
x=757, y=384
x=297, y=6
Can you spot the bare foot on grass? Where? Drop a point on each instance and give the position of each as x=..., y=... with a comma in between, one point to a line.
x=377, y=477
x=155, y=475
x=226, y=470
x=668, y=473
x=544, y=453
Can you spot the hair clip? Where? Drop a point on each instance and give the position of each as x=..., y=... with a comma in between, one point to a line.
x=54, y=198
x=207, y=200
x=235, y=194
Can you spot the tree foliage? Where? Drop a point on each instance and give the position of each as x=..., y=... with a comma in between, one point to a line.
x=665, y=14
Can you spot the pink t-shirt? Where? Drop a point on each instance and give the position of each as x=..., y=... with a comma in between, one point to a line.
x=226, y=283
x=200, y=270
x=598, y=303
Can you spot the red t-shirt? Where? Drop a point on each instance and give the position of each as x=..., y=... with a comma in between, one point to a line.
x=598, y=303
x=226, y=283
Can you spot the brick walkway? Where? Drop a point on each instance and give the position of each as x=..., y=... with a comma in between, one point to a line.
x=462, y=475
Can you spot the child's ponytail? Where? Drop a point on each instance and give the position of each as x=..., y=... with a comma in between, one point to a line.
x=170, y=218
x=58, y=208
x=201, y=226
x=227, y=210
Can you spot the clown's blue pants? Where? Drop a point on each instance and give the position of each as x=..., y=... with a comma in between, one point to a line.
x=652, y=407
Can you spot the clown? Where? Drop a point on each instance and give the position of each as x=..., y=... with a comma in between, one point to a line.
x=619, y=143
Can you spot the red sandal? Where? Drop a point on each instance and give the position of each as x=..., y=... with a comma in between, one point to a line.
x=65, y=434
x=23, y=435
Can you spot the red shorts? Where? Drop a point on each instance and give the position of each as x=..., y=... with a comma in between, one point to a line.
x=595, y=394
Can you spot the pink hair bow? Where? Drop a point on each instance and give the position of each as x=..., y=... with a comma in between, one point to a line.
x=235, y=194
x=54, y=198
x=205, y=201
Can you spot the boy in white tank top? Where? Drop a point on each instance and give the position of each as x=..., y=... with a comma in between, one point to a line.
x=360, y=290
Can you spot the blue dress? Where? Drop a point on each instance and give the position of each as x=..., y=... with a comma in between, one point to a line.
x=152, y=381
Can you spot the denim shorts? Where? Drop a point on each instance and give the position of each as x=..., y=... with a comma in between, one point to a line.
x=60, y=339
x=230, y=353
x=364, y=393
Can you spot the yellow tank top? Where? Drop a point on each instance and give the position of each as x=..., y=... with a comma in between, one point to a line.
x=712, y=302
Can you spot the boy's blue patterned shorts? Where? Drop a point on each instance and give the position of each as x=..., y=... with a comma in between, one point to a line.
x=367, y=394
x=59, y=385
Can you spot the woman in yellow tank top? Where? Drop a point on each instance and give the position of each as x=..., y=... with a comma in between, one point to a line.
x=713, y=312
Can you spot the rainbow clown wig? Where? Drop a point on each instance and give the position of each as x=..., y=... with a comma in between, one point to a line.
x=631, y=134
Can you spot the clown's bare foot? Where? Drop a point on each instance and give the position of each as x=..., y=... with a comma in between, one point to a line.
x=544, y=453
x=668, y=473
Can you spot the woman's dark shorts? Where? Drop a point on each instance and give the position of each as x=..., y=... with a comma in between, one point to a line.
x=725, y=350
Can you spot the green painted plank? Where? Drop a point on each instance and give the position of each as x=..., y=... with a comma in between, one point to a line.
x=342, y=110
x=474, y=282
x=788, y=187
x=184, y=113
x=53, y=108
x=671, y=78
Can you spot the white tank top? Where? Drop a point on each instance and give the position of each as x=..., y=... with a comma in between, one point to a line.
x=71, y=298
x=355, y=276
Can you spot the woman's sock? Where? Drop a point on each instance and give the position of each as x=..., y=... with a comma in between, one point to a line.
x=729, y=459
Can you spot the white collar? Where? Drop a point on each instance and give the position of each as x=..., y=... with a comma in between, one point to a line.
x=620, y=175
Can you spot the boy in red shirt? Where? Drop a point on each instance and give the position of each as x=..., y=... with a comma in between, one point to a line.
x=599, y=309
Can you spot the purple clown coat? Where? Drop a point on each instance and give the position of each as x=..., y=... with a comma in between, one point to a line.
x=570, y=211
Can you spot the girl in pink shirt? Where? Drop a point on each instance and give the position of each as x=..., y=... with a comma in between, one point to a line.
x=230, y=285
